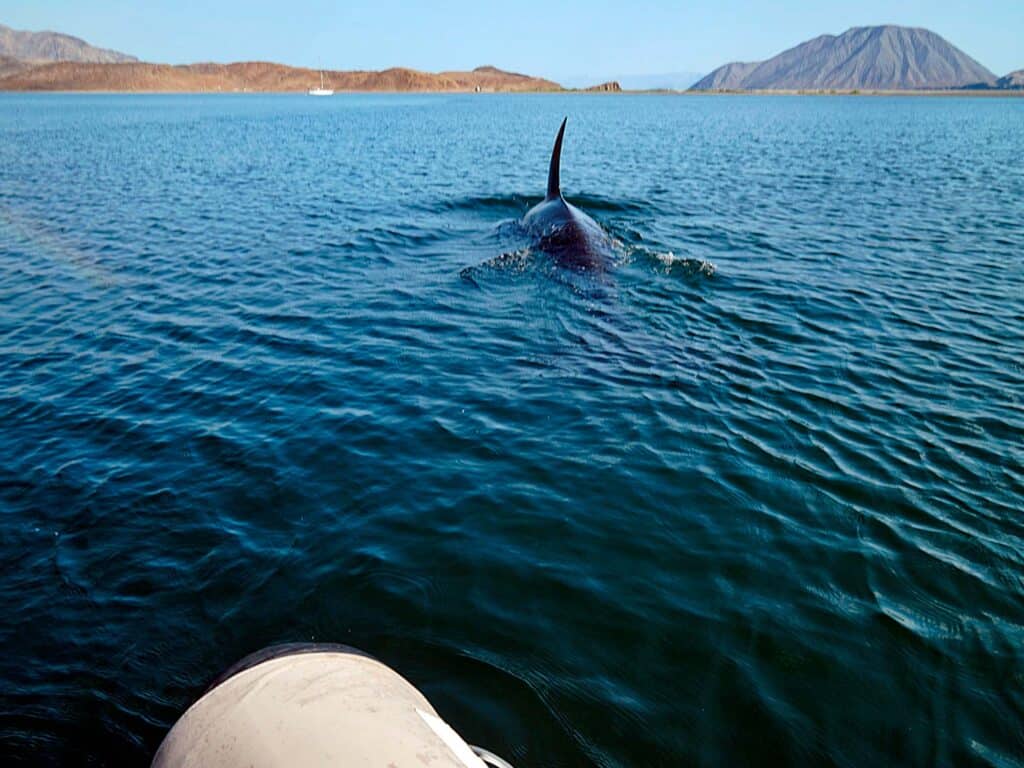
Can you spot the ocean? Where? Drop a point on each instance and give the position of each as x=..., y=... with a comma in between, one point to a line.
x=279, y=369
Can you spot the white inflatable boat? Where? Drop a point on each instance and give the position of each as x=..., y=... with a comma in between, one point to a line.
x=313, y=706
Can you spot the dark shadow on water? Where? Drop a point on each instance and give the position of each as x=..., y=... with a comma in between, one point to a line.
x=493, y=708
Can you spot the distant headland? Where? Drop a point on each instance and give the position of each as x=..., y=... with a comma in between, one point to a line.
x=868, y=60
x=251, y=76
x=51, y=61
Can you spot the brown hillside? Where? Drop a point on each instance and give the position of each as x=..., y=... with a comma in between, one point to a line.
x=9, y=65
x=494, y=79
x=249, y=76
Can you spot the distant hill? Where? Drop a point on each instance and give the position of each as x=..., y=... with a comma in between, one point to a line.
x=53, y=46
x=493, y=79
x=1013, y=80
x=253, y=76
x=49, y=61
x=10, y=65
x=728, y=77
x=875, y=58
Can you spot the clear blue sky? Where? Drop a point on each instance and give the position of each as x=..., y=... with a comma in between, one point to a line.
x=543, y=37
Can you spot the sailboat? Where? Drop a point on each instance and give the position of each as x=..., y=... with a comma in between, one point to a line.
x=321, y=91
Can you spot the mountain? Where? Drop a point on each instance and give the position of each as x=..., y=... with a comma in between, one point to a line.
x=875, y=58
x=728, y=77
x=53, y=46
x=1012, y=80
x=253, y=76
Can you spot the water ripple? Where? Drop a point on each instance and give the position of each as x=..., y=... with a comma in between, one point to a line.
x=271, y=372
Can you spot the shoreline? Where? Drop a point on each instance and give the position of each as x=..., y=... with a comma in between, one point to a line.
x=982, y=94
x=970, y=92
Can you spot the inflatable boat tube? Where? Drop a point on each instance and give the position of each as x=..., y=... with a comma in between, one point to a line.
x=313, y=706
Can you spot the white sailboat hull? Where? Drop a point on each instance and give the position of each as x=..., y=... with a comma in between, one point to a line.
x=323, y=90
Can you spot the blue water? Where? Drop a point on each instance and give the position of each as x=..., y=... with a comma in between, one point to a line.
x=281, y=369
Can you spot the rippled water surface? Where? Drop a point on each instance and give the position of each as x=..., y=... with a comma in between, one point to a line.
x=278, y=369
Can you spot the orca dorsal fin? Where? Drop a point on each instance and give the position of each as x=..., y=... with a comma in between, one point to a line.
x=554, y=185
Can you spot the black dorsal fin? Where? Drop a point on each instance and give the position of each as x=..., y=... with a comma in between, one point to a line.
x=554, y=185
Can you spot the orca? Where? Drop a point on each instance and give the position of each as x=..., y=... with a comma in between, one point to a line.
x=560, y=229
